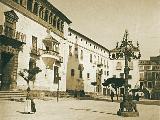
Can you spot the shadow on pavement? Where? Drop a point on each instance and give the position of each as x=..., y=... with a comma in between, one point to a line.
x=24, y=112
x=111, y=113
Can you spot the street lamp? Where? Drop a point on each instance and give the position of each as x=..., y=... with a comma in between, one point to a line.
x=127, y=51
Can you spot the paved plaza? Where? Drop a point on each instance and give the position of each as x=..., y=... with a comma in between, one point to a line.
x=72, y=109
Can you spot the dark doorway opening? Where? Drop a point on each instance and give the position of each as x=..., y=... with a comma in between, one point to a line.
x=5, y=70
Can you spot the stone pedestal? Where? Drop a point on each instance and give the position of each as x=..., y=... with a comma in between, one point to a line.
x=128, y=114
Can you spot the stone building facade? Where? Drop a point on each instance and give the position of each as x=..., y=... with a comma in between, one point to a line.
x=149, y=71
x=87, y=64
x=117, y=66
x=32, y=33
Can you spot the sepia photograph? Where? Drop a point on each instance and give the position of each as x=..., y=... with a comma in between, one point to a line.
x=79, y=60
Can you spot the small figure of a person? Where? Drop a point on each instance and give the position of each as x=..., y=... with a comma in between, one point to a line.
x=137, y=97
x=33, y=107
x=112, y=95
x=28, y=102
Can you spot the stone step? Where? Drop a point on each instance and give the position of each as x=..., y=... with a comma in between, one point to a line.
x=11, y=95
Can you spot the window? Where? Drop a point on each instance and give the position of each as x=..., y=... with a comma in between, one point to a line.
x=149, y=76
x=41, y=12
x=58, y=24
x=46, y=16
x=54, y=23
x=62, y=26
x=149, y=84
x=29, y=5
x=72, y=72
x=113, y=56
x=98, y=59
x=80, y=74
x=35, y=10
x=141, y=85
x=91, y=58
x=76, y=51
x=81, y=54
x=18, y=1
x=107, y=73
x=88, y=75
x=10, y=23
x=119, y=66
x=147, y=67
x=141, y=76
x=70, y=50
x=9, y=31
x=56, y=75
x=32, y=64
x=34, y=43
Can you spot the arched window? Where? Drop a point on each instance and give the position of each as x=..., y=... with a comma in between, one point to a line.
x=119, y=66
x=35, y=9
x=50, y=18
x=62, y=26
x=58, y=24
x=46, y=16
x=29, y=5
x=41, y=12
x=54, y=21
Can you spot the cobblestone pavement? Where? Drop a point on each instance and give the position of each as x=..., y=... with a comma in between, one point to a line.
x=71, y=109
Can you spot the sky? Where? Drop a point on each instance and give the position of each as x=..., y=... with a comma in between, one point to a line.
x=105, y=21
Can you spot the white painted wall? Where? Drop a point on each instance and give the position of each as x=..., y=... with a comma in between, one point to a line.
x=88, y=66
x=29, y=27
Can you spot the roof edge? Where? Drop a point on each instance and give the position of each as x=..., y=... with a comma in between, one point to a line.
x=76, y=32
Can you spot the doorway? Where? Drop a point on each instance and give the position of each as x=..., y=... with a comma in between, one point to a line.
x=5, y=70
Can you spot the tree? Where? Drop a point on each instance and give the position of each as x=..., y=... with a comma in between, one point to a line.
x=115, y=83
x=29, y=74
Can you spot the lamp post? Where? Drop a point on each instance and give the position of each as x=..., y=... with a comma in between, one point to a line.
x=126, y=51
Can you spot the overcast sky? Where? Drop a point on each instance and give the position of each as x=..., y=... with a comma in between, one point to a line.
x=105, y=21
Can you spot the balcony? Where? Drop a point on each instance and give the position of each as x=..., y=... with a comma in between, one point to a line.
x=50, y=57
x=11, y=37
